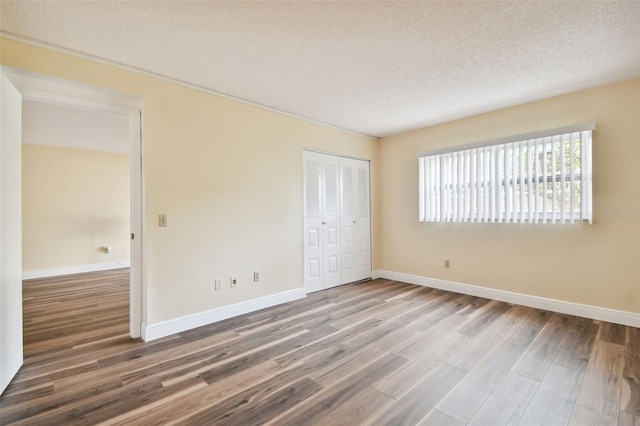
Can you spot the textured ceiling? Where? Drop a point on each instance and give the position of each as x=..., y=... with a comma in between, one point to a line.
x=376, y=68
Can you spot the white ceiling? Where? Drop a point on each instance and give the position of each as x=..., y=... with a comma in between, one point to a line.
x=58, y=125
x=376, y=68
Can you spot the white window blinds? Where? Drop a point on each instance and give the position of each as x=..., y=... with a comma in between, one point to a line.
x=543, y=177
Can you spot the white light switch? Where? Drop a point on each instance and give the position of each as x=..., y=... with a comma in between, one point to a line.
x=162, y=220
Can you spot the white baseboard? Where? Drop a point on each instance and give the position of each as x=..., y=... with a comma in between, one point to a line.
x=586, y=311
x=375, y=275
x=79, y=269
x=167, y=328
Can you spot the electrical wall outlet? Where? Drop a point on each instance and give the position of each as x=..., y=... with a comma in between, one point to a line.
x=256, y=277
x=447, y=264
x=233, y=281
x=107, y=249
x=218, y=284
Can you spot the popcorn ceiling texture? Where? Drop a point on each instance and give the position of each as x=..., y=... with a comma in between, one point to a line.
x=377, y=68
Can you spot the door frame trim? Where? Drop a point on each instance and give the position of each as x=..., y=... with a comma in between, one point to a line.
x=45, y=88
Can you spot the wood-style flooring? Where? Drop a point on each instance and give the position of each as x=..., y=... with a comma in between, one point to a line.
x=377, y=352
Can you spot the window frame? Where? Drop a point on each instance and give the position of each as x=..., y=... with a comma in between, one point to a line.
x=486, y=181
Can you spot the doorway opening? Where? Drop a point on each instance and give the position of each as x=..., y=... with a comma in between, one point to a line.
x=116, y=230
x=75, y=190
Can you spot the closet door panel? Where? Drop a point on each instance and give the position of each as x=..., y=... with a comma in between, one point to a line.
x=313, y=265
x=363, y=220
x=330, y=220
x=348, y=229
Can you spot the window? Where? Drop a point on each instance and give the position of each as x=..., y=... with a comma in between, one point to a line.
x=544, y=177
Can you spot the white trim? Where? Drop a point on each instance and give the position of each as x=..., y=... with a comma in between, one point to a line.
x=318, y=151
x=174, y=81
x=515, y=138
x=78, y=269
x=178, y=325
x=46, y=88
x=139, y=225
x=570, y=308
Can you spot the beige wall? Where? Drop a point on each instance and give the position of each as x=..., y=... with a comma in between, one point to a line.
x=596, y=265
x=229, y=177
x=74, y=202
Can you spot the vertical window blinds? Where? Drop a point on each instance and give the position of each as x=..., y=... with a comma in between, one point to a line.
x=542, y=177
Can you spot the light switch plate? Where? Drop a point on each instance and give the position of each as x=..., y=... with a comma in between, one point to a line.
x=162, y=220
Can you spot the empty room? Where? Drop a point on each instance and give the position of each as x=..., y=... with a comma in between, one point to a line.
x=320, y=213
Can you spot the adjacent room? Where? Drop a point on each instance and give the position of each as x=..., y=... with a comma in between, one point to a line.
x=320, y=213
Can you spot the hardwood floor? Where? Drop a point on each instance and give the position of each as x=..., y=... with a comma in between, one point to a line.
x=378, y=352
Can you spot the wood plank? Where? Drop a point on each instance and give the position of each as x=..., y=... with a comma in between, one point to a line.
x=408, y=376
x=434, y=343
x=436, y=417
x=247, y=411
x=633, y=336
x=575, y=350
x=536, y=360
x=630, y=392
x=445, y=313
x=333, y=373
x=467, y=397
x=612, y=333
x=529, y=323
x=492, y=312
x=600, y=389
x=628, y=419
x=340, y=395
x=180, y=406
x=45, y=405
x=328, y=343
x=586, y=416
x=507, y=403
x=471, y=352
x=553, y=402
x=416, y=403
x=359, y=410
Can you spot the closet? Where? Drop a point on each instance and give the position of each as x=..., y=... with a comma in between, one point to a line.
x=337, y=220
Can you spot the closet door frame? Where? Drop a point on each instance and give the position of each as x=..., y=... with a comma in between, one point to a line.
x=322, y=234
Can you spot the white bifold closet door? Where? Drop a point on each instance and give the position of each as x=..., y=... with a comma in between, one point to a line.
x=337, y=234
x=348, y=226
x=330, y=184
x=355, y=222
x=363, y=220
